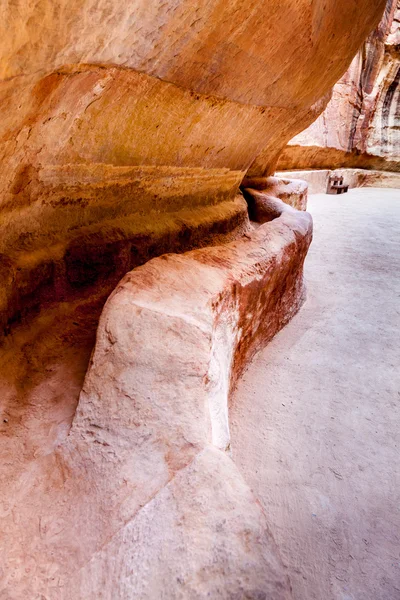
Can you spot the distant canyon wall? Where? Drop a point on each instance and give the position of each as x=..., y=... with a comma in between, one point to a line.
x=360, y=127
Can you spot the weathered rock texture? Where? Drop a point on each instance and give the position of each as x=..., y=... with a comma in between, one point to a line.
x=141, y=499
x=127, y=114
x=291, y=191
x=360, y=126
x=126, y=130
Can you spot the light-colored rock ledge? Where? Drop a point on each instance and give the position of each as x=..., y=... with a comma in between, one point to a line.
x=318, y=179
x=142, y=500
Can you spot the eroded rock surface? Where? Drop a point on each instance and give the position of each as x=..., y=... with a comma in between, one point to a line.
x=119, y=117
x=144, y=465
x=126, y=130
x=360, y=126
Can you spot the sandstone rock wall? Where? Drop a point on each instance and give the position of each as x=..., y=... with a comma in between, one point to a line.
x=360, y=126
x=128, y=114
x=126, y=130
x=141, y=500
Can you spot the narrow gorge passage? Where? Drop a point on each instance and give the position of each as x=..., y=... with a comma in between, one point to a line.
x=315, y=419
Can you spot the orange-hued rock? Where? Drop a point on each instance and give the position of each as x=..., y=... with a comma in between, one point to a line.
x=207, y=85
x=127, y=128
x=141, y=499
x=359, y=128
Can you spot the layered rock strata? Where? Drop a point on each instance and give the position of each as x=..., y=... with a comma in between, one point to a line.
x=126, y=131
x=124, y=114
x=141, y=497
x=360, y=126
x=83, y=227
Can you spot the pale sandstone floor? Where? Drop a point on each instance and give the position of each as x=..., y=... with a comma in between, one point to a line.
x=316, y=418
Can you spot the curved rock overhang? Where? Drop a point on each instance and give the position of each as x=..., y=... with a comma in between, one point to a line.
x=156, y=85
x=126, y=133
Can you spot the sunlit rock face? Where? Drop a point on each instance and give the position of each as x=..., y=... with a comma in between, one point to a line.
x=126, y=131
x=360, y=126
x=128, y=126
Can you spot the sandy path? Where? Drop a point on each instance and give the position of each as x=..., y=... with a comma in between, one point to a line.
x=316, y=417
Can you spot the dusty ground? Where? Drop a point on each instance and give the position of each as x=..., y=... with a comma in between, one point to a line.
x=316, y=418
